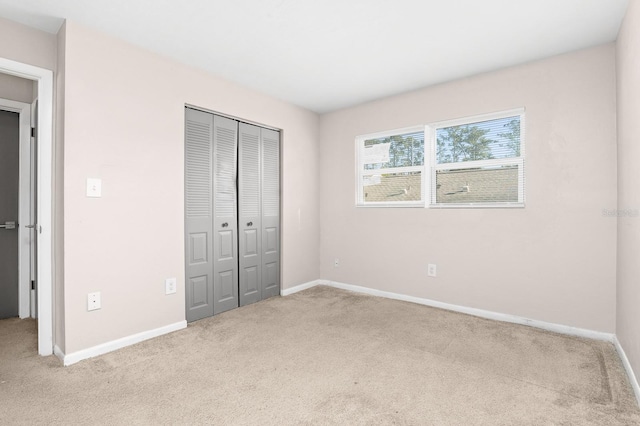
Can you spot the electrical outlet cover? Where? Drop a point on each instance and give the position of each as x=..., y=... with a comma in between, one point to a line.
x=170, y=285
x=94, y=187
x=93, y=301
x=431, y=270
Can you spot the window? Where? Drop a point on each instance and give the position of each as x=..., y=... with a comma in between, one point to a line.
x=391, y=168
x=478, y=161
x=471, y=162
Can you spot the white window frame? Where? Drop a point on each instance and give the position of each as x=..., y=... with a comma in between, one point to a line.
x=431, y=131
x=430, y=167
x=361, y=172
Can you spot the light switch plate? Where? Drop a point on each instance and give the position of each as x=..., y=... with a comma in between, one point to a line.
x=94, y=187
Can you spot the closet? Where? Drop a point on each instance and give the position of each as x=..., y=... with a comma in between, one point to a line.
x=232, y=211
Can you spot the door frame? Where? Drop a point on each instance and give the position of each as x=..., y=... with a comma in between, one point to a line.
x=44, y=79
x=24, y=201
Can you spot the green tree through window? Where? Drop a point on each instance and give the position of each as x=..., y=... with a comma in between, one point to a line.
x=463, y=143
x=404, y=151
x=512, y=136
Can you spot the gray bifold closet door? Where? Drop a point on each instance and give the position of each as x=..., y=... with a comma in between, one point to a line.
x=259, y=215
x=270, y=213
x=211, y=214
x=232, y=226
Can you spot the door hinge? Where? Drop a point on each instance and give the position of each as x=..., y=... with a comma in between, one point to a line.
x=33, y=284
x=33, y=132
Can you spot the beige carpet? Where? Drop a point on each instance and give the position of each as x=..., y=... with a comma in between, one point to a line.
x=324, y=356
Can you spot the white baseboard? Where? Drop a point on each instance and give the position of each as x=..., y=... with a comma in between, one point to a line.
x=113, y=345
x=58, y=352
x=627, y=366
x=292, y=290
x=557, y=328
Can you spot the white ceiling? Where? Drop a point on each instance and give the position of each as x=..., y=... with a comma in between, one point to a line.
x=329, y=54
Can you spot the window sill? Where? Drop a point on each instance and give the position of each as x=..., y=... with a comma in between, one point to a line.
x=478, y=206
x=389, y=205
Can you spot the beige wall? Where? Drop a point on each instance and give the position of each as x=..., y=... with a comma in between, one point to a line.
x=628, y=311
x=27, y=45
x=124, y=123
x=554, y=260
x=16, y=88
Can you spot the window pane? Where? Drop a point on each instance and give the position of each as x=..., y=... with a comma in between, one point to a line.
x=477, y=185
x=392, y=187
x=483, y=140
x=394, y=151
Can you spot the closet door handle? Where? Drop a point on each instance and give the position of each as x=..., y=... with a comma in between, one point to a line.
x=249, y=223
x=224, y=225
